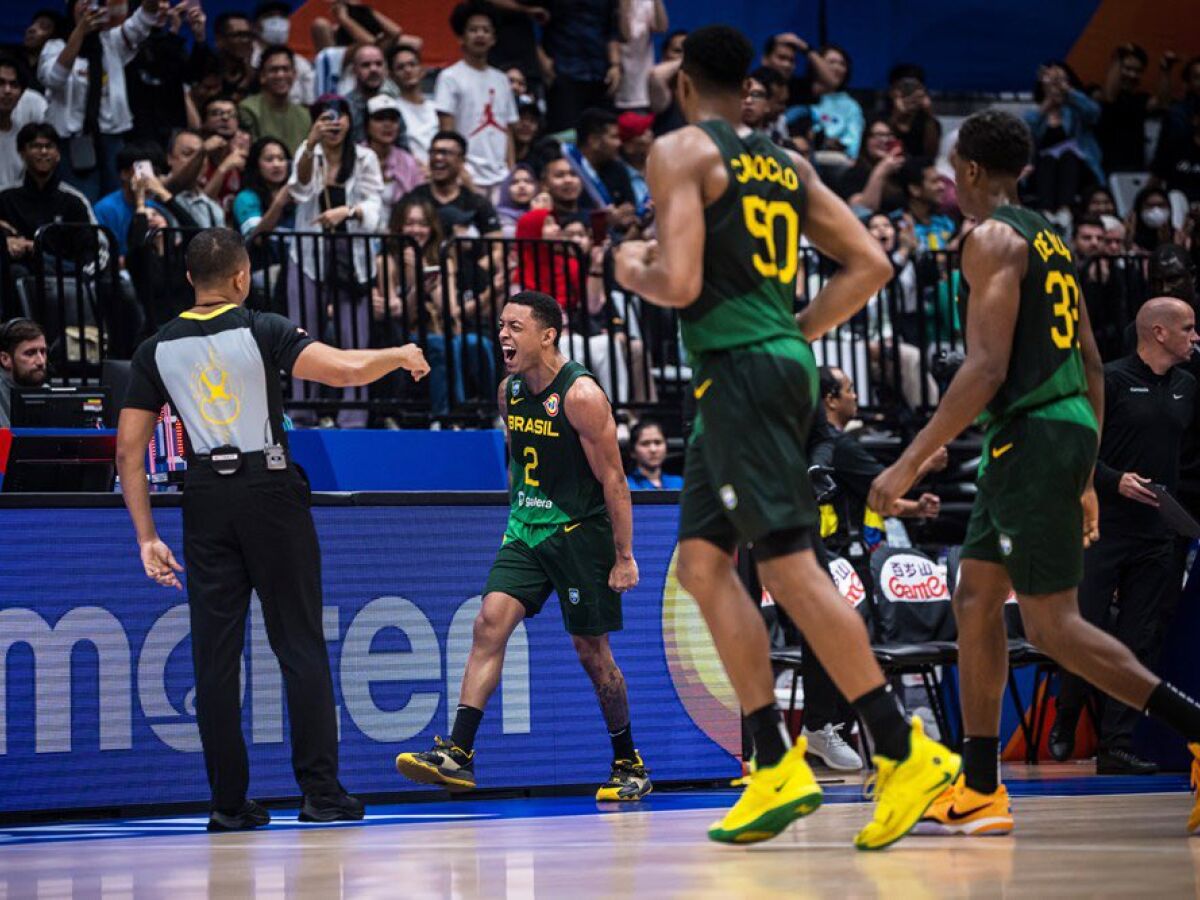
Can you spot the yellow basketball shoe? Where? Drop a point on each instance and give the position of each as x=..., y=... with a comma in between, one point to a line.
x=905, y=790
x=1194, y=818
x=960, y=810
x=775, y=796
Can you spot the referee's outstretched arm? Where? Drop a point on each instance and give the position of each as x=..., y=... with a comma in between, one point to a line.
x=353, y=368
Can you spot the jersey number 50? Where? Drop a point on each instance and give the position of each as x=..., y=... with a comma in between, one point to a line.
x=1066, y=309
x=761, y=216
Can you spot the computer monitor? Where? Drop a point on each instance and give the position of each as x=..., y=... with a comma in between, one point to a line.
x=59, y=407
x=75, y=463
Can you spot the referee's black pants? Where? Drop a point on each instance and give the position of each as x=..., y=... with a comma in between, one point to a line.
x=1138, y=574
x=253, y=530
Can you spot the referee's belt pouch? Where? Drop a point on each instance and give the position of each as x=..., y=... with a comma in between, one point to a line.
x=225, y=460
x=81, y=151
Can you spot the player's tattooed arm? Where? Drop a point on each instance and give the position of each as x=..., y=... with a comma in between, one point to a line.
x=993, y=264
x=588, y=411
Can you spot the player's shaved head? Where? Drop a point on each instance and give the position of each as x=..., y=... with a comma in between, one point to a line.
x=717, y=58
x=1162, y=311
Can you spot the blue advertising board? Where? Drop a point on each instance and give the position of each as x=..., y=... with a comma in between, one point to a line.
x=96, y=682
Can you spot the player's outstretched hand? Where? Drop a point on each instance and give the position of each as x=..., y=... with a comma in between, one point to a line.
x=1091, y=516
x=414, y=361
x=624, y=575
x=890, y=485
x=159, y=563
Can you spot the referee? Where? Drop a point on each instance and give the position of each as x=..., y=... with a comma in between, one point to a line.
x=246, y=519
x=1149, y=402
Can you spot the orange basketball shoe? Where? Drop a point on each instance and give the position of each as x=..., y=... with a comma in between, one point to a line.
x=960, y=810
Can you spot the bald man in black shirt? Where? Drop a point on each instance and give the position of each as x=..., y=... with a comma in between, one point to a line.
x=1149, y=403
x=246, y=519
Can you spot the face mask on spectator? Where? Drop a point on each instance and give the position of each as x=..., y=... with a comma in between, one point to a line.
x=1155, y=216
x=275, y=29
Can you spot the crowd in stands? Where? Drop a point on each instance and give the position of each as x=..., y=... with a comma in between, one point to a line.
x=134, y=120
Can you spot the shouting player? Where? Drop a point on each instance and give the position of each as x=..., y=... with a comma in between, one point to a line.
x=1033, y=371
x=731, y=206
x=570, y=530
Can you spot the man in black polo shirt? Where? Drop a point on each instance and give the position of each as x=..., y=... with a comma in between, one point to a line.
x=451, y=199
x=246, y=519
x=1149, y=402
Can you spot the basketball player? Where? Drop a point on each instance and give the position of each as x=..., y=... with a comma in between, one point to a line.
x=1033, y=371
x=730, y=209
x=570, y=530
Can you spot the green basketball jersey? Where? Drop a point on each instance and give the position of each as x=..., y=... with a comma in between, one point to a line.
x=550, y=480
x=1045, y=372
x=751, y=247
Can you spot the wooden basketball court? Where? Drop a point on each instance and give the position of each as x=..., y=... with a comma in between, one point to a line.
x=1074, y=837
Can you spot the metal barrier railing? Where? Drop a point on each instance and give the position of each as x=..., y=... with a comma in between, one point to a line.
x=371, y=290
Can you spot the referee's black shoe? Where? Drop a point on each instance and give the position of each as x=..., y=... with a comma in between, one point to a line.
x=1123, y=762
x=339, y=807
x=251, y=815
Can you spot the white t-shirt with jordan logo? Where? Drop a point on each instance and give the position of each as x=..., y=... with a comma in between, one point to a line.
x=483, y=107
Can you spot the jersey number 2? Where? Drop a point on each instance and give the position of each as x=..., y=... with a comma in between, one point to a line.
x=761, y=216
x=1066, y=309
x=530, y=455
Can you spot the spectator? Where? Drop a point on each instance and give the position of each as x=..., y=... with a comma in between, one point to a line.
x=1150, y=219
x=207, y=86
x=264, y=203
x=1116, y=241
x=85, y=88
x=648, y=448
x=516, y=197
x=358, y=23
x=640, y=20
x=445, y=341
x=546, y=268
x=911, y=115
x=420, y=115
x=336, y=185
x=597, y=159
x=19, y=105
x=854, y=469
x=185, y=160
x=43, y=199
x=22, y=361
x=1149, y=404
x=225, y=148
x=836, y=116
x=661, y=85
x=271, y=112
x=1179, y=116
x=636, y=139
x=401, y=172
x=874, y=182
x=774, y=120
x=1124, y=109
x=115, y=210
x=516, y=80
x=527, y=130
x=370, y=80
x=454, y=203
x=235, y=48
x=475, y=100
x=1096, y=201
x=562, y=184
x=756, y=99
x=896, y=362
x=272, y=28
x=157, y=77
x=44, y=24
x=160, y=283
x=926, y=191
x=580, y=58
x=516, y=38
x=779, y=55
x=1103, y=290
x=1067, y=156
x=1177, y=162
